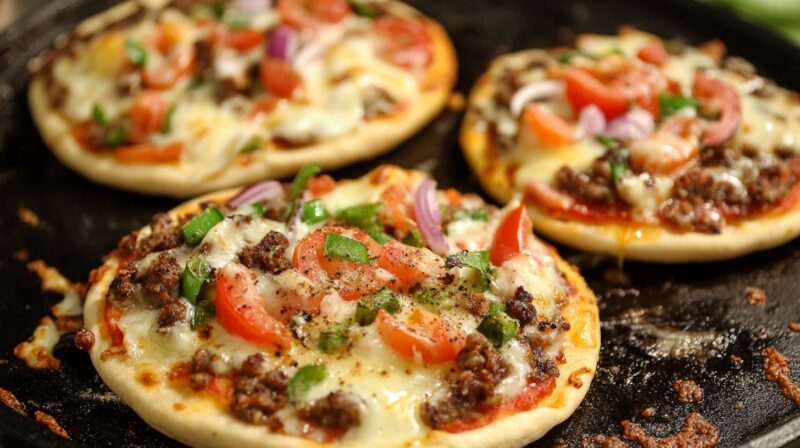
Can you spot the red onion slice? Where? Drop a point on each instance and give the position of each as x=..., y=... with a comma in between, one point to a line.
x=266, y=190
x=535, y=91
x=591, y=122
x=634, y=125
x=429, y=218
x=252, y=5
x=281, y=43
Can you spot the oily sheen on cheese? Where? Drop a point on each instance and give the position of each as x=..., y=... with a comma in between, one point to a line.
x=391, y=389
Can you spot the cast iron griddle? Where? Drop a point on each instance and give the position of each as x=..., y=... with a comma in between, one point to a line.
x=698, y=309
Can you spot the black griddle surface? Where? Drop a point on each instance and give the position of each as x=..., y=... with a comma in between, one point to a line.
x=699, y=309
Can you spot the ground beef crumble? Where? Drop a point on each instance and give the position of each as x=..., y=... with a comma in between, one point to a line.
x=479, y=369
x=269, y=254
x=338, y=410
x=161, y=281
x=688, y=391
x=84, y=339
x=755, y=296
x=776, y=369
x=521, y=307
x=594, y=185
x=697, y=432
x=258, y=393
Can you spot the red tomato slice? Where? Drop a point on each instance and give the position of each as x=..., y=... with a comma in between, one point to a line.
x=178, y=66
x=398, y=209
x=723, y=96
x=111, y=316
x=411, y=265
x=641, y=84
x=549, y=128
x=319, y=185
x=148, y=153
x=242, y=310
x=312, y=13
x=353, y=280
x=584, y=89
x=243, y=40
x=404, y=41
x=654, y=53
x=426, y=335
x=278, y=77
x=147, y=115
x=512, y=236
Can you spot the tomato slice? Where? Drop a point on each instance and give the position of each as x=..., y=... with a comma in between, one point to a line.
x=398, y=209
x=111, y=316
x=511, y=237
x=549, y=128
x=312, y=13
x=319, y=185
x=278, y=77
x=149, y=153
x=654, y=53
x=353, y=280
x=641, y=84
x=411, y=265
x=147, y=115
x=243, y=40
x=426, y=335
x=583, y=89
x=404, y=41
x=242, y=310
x=723, y=96
x=178, y=66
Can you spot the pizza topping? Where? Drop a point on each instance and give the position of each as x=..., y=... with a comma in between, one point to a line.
x=269, y=254
x=498, y=327
x=512, y=236
x=304, y=379
x=368, y=307
x=196, y=229
x=426, y=336
x=724, y=98
x=337, y=410
x=426, y=210
x=258, y=393
x=194, y=275
x=533, y=92
x=263, y=191
x=521, y=307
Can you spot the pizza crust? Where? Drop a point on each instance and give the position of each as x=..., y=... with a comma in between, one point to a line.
x=197, y=421
x=634, y=241
x=368, y=141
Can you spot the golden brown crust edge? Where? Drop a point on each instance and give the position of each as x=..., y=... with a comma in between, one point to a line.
x=200, y=422
x=368, y=141
x=635, y=242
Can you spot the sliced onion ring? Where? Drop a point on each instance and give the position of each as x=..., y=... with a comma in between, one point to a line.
x=281, y=43
x=591, y=122
x=535, y=91
x=634, y=125
x=429, y=218
x=266, y=190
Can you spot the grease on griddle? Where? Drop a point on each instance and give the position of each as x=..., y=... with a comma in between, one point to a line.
x=776, y=369
x=10, y=400
x=755, y=296
x=688, y=391
x=51, y=423
x=28, y=217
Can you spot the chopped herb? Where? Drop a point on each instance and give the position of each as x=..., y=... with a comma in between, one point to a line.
x=343, y=248
x=203, y=311
x=435, y=297
x=252, y=144
x=302, y=381
x=367, y=308
x=299, y=184
x=364, y=216
x=380, y=237
x=565, y=57
x=196, y=229
x=363, y=8
x=313, y=212
x=473, y=214
x=98, y=115
x=496, y=308
x=670, y=104
x=499, y=327
x=166, y=125
x=413, y=238
x=618, y=169
x=608, y=143
x=118, y=136
x=136, y=53
x=478, y=260
x=334, y=339
x=194, y=275
x=256, y=209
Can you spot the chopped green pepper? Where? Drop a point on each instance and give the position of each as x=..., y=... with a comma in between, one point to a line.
x=194, y=275
x=363, y=8
x=473, y=214
x=136, y=53
x=367, y=308
x=304, y=379
x=496, y=308
x=380, y=237
x=364, y=216
x=197, y=81
x=203, y=311
x=607, y=142
x=118, y=136
x=313, y=212
x=257, y=209
x=413, y=238
x=334, y=339
x=343, y=248
x=565, y=57
x=478, y=260
x=435, y=297
x=618, y=169
x=670, y=104
x=196, y=229
x=251, y=145
x=299, y=184
x=498, y=327
x=98, y=115
x=166, y=125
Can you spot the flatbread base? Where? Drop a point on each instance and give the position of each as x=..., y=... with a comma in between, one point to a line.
x=199, y=421
x=368, y=141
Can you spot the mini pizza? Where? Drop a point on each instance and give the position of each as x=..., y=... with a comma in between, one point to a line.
x=372, y=312
x=639, y=148
x=188, y=97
